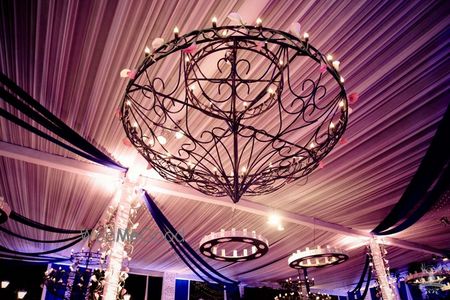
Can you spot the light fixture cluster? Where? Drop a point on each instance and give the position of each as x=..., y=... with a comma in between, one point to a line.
x=317, y=257
x=301, y=296
x=217, y=245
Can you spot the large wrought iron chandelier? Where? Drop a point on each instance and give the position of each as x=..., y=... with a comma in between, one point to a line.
x=235, y=110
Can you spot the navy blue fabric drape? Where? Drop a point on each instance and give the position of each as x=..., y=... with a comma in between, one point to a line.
x=7, y=231
x=193, y=260
x=4, y=249
x=15, y=96
x=415, y=202
x=366, y=275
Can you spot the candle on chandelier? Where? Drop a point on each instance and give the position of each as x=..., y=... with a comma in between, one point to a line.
x=179, y=134
x=214, y=22
x=146, y=51
x=176, y=32
x=258, y=22
x=329, y=57
x=336, y=64
x=306, y=36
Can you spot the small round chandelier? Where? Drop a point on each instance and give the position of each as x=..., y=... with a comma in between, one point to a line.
x=317, y=257
x=428, y=278
x=234, y=245
x=235, y=110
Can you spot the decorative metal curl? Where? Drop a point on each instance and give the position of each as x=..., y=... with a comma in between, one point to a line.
x=249, y=110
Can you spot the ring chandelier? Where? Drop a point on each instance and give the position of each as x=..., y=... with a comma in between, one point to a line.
x=217, y=245
x=317, y=257
x=428, y=277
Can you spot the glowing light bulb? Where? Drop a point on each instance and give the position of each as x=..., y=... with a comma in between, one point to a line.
x=176, y=31
x=162, y=140
x=192, y=87
x=214, y=21
x=179, y=135
x=258, y=22
x=312, y=145
x=274, y=219
x=342, y=79
x=336, y=64
x=306, y=36
x=21, y=294
x=128, y=103
x=148, y=141
x=187, y=59
x=270, y=91
x=147, y=51
x=244, y=169
x=332, y=125
x=280, y=62
x=5, y=284
x=329, y=57
x=225, y=33
x=135, y=124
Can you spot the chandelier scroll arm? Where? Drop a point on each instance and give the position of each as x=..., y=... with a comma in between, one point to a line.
x=179, y=101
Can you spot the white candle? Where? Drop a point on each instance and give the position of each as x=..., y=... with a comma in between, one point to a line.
x=336, y=64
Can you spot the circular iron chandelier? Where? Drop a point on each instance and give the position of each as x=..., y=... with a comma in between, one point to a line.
x=428, y=278
x=317, y=257
x=235, y=110
x=217, y=245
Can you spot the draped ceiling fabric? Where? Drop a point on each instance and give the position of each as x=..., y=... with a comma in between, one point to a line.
x=68, y=55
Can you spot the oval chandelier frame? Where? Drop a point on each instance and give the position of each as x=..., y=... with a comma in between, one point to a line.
x=256, y=243
x=317, y=257
x=212, y=120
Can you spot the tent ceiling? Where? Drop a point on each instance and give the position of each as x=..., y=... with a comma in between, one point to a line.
x=68, y=56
